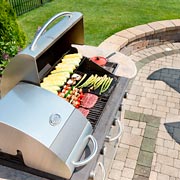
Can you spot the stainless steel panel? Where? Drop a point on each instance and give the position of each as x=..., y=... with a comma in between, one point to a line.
x=30, y=109
x=22, y=67
x=50, y=132
x=74, y=127
x=35, y=154
x=55, y=33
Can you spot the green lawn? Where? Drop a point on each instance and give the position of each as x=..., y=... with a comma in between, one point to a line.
x=103, y=18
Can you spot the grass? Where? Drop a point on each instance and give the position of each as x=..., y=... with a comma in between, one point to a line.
x=102, y=18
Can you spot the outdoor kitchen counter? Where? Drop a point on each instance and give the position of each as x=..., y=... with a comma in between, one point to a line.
x=126, y=67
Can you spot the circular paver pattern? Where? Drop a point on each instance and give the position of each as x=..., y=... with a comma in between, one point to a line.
x=149, y=147
x=155, y=89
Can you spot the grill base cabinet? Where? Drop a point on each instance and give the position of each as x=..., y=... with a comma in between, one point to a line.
x=41, y=133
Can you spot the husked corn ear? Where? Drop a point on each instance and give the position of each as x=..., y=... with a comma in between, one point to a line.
x=75, y=55
x=60, y=75
x=70, y=70
x=71, y=59
x=65, y=65
x=55, y=76
x=53, y=82
x=65, y=74
x=73, y=62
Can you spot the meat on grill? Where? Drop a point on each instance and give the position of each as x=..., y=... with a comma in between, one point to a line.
x=89, y=100
x=84, y=111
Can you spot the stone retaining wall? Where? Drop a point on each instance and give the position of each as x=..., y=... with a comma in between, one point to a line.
x=143, y=36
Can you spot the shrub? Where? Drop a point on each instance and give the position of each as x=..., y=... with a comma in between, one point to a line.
x=12, y=38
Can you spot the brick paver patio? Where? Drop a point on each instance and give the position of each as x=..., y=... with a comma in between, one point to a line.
x=149, y=148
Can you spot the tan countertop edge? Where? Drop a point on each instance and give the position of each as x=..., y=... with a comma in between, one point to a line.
x=126, y=67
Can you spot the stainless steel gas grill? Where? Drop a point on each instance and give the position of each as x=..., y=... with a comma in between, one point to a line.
x=39, y=125
x=40, y=132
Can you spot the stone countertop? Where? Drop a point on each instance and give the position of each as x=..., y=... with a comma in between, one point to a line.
x=126, y=67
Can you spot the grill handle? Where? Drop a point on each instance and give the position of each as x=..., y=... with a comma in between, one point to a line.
x=41, y=31
x=88, y=159
x=92, y=175
x=120, y=130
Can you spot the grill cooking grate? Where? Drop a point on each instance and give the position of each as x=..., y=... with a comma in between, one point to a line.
x=95, y=112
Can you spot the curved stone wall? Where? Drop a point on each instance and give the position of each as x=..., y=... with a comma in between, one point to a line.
x=143, y=36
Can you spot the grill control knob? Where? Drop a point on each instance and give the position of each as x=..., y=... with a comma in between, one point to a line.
x=125, y=95
x=54, y=119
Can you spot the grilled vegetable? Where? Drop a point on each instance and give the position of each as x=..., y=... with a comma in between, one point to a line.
x=59, y=76
x=100, y=81
x=106, y=85
x=65, y=65
x=94, y=82
x=50, y=77
x=67, y=71
x=84, y=76
x=54, y=83
x=74, y=62
x=76, y=104
x=76, y=76
x=75, y=55
x=72, y=94
x=71, y=82
x=89, y=81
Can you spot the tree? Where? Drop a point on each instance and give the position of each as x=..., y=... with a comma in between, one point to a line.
x=12, y=38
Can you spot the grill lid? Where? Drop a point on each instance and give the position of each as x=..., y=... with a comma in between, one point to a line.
x=33, y=104
x=38, y=124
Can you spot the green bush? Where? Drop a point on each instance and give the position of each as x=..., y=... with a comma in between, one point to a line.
x=12, y=38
